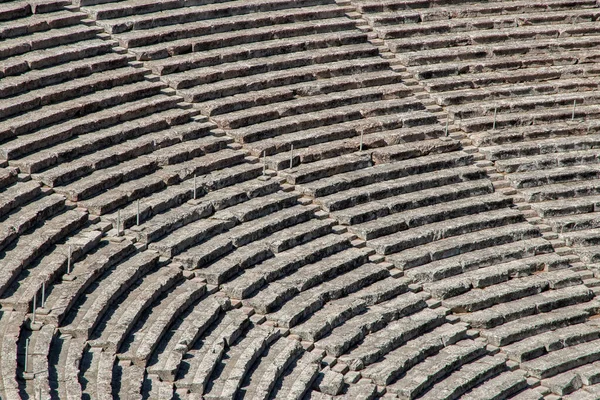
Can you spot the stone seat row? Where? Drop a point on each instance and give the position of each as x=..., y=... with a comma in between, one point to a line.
x=113, y=10
x=20, y=26
x=445, y=9
x=218, y=185
x=246, y=15
x=31, y=121
x=507, y=63
x=224, y=40
x=487, y=37
x=268, y=49
x=477, y=52
x=37, y=41
x=334, y=72
x=292, y=58
x=61, y=92
x=491, y=84
x=503, y=21
x=39, y=59
x=513, y=120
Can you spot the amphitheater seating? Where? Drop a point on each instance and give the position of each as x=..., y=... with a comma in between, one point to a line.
x=308, y=199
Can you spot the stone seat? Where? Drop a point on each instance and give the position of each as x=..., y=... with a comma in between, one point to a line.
x=240, y=358
x=466, y=243
x=386, y=172
x=483, y=277
x=171, y=25
x=11, y=323
x=309, y=276
x=174, y=15
x=259, y=65
x=34, y=120
x=525, y=327
x=487, y=22
x=299, y=377
x=199, y=166
x=40, y=345
x=469, y=376
x=14, y=85
x=281, y=83
x=374, y=136
x=345, y=321
x=532, y=133
x=83, y=320
x=48, y=136
x=563, y=207
x=87, y=143
x=139, y=188
x=284, y=263
x=290, y=85
x=529, y=103
x=188, y=44
x=326, y=168
x=518, y=119
x=39, y=59
x=47, y=270
x=269, y=224
x=474, y=260
x=65, y=293
x=311, y=300
x=436, y=222
x=574, y=223
x=383, y=198
x=221, y=181
x=309, y=104
x=146, y=336
x=18, y=195
x=100, y=180
x=582, y=238
x=559, y=174
x=165, y=146
x=46, y=39
x=525, y=83
x=572, y=380
x=60, y=92
x=473, y=82
x=271, y=366
x=65, y=356
x=562, y=360
x=190, y=326
x=376, y=140
x=38, y=242
x=534, y=304
x=512, y=291
x=527, y=149
x=501, y=386
x=190, y=235
x=126, y=314
x=508, y=63
x=40, y=21
x=290, y=124
x=536, y=346
x=395, y=334
x=525, y=47
x=268, y=48
x=201, y=257
x=465, y=9
x=209, y=351
x=590, y=254
x=424, y=376
x=474, y=37
x=399, y=361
